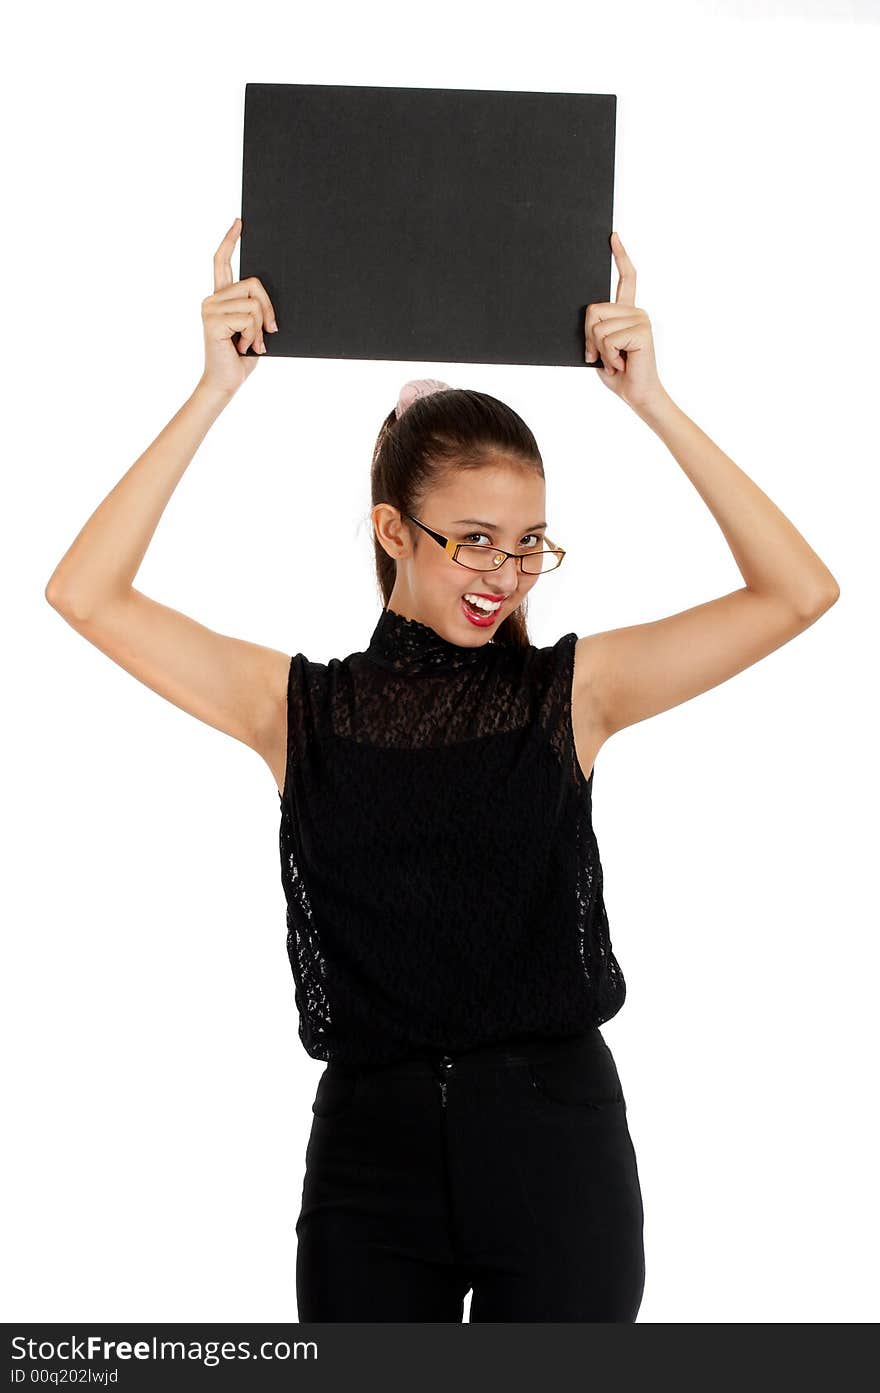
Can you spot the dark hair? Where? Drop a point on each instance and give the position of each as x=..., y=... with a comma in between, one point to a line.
x=451, y=429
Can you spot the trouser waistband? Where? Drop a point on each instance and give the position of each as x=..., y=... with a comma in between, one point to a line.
x=438, y=1061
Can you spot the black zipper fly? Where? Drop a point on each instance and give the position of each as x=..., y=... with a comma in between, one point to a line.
x=447, y=1064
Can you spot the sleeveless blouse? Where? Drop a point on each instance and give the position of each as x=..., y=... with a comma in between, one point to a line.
x=438, y=859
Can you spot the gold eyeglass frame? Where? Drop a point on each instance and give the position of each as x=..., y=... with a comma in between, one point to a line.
x=453, y=548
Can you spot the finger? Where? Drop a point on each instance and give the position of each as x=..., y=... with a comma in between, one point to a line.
x=620, y=338
x=245, y=305
x=601, y=313
x=227, y=301
x=626, y=273
x=607, y=328
x=591, y=321
x=223, y=257
x=251, y=285
x=241, y=324
x=250, y=333
x=612, y=335
x=244, y=322
x=593, y=336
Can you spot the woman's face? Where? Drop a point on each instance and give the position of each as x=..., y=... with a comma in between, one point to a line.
x=498, y=505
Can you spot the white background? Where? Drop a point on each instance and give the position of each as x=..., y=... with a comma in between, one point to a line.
x=156, y=1094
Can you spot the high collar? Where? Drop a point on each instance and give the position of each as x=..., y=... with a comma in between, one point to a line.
x=409, y=646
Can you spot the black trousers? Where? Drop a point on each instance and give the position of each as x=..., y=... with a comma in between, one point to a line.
x=508, y=1170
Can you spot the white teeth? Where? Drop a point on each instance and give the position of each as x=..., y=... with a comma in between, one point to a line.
x=489, y=606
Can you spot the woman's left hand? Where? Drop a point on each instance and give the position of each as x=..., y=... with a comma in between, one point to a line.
x=620, y=334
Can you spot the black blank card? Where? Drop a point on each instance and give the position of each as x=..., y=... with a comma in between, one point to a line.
x=428, y=224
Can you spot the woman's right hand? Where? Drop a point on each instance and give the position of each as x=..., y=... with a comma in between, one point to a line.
x=236, y=311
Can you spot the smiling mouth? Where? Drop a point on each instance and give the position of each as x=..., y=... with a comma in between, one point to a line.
x=482, y=605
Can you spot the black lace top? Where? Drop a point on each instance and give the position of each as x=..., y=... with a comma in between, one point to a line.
x=442, y=878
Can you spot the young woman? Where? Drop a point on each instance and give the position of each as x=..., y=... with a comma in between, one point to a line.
x=446, y=925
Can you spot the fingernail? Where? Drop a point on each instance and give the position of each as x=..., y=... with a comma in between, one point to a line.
x=273, y=326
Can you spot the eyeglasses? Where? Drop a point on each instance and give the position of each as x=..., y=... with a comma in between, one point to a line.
x=476, y=557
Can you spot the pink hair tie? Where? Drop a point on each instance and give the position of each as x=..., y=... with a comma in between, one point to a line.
x=418, y=387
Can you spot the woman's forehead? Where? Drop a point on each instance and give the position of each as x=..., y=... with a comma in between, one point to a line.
x=496, y=494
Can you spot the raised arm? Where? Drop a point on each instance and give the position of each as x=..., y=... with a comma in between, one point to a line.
x=235, y=686
x=622, y=676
